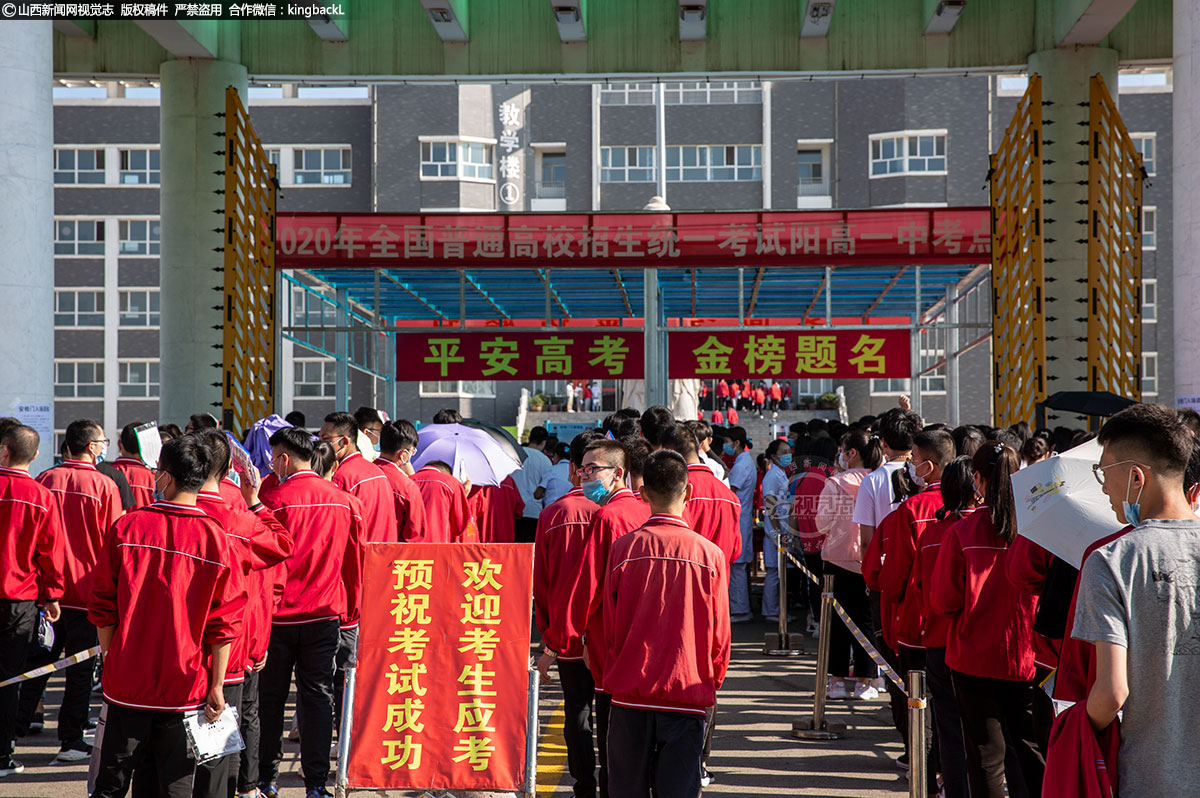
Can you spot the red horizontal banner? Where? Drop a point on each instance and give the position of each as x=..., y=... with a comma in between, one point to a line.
x=835, y=354
x=634, y=240
x=504, y=355
x=442, y=685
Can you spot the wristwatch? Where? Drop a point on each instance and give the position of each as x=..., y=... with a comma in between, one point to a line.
x=550, y=652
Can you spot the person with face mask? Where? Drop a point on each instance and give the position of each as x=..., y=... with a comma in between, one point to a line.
x=743, y=479
x=776, y=522
x=360, y=479
x=397, y=444
x=88, y=504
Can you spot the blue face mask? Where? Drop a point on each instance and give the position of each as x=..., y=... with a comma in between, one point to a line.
x=375, y=446
x=594, y=490
x=728, y=448
x=1133, y=510
x=785, y=460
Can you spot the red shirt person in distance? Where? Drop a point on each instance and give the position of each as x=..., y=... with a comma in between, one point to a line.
x=139, y=476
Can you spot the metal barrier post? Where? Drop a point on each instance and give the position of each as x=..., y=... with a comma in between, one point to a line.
x=782, y=644
x=531, y=736
x=341, y=782
x=918, y=706
x=818, y=728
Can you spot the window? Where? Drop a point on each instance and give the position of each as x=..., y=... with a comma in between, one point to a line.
x=137, y=379
x=480, y=389
x=1149, y=301
x=932, y=382
x=914, y=152
x=140, y=167
x=626, y=164
x=1150, y=374
x=812, y=387
x=76, y=379
x=78, y=167
x=79, y=308
x=315, y=377
x=456, y=159
x=139, y=236
x=324, y=166
x=810, y=169
x=714, y=163
x=1144, y=143
x=1011, y=85
x=1149, y=227
x=139, y=308
x=552, y=175
x=1152, y=80
x=719, y=92
x=627, y=94
x=78, y=237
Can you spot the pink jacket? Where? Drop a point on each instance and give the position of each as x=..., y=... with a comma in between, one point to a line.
x=835, y=507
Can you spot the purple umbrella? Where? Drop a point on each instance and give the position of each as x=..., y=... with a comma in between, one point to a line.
x=469, y=452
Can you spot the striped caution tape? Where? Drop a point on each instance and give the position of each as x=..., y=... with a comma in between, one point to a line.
x=65, y=662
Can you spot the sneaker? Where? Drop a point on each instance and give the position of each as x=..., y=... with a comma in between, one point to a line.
x=76, y=751
x=865, y=692
x=775, y=618
x=268, y=791
x=836, y=691
x=10, y=767
x=745, y=617
x=38, y=723
x=705, y=777
x=91, y=724
x=813, y=629
x=902, y=762
x=255, y=793
x=318, y=792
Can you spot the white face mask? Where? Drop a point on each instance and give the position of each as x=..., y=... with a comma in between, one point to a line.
x=919, y=481
x=842, y=463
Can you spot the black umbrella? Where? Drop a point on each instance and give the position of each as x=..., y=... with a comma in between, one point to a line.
x=511, y=446
x=1085, y=403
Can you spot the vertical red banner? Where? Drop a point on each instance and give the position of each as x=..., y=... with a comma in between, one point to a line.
x=443, y=663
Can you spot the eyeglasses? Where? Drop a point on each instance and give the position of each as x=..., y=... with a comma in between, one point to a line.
x=1098, y=470
x=100, y=440
x=589, y=470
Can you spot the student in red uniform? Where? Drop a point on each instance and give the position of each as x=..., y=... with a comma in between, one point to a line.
x=140, y=478
x=760, y=399
x=667, y=641
x=712, y=509
x=397, y=442
x=496, y=509
x=164, y=597
x=558, y=557
x=722, y=396
x=447, y=516
x=31, y=570
x=990, y=645
x=602, y=476
x=88, y=504
x=775, y=394
x=322, y=590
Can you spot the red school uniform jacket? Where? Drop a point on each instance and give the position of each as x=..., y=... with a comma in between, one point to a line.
x=619, y=516
x=265, y=585
x=1027, y=567
x=558, y=560
x=714, y=511
x=324, y=571
x=88, y=504
x=992, y=634
x=370, y=486
x=936, y=626
x=164, y=580
x=409, y=506
x=31, y=539
x=896, y=576
x=872, y=568
x=447, y=516
x=666, y=616
x=140, y=478
x=1080, y=762
x=496, y=509
x=257, y=543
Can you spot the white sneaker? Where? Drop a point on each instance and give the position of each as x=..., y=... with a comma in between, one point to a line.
x=865, y=692
x=879, y=684
x=813, y=628
x=743, y=618
x=836, y=691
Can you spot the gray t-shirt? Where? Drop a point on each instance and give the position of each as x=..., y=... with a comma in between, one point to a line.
x=1142, y=592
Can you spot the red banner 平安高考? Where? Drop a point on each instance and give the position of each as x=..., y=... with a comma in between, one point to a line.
x=510, y=355
x=443, y=663
x=820, y=353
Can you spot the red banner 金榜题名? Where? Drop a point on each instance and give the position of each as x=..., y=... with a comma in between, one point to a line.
x=819, y=353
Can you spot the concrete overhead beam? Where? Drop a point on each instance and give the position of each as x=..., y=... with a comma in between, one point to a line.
x=449, y=18
x=196, y=39
x=330, y=28
x=1087, y=22
x=942, y=15
x=76, y=28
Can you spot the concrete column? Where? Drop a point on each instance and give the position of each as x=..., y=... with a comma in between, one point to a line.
x=26, y=223
x=193, y=90
x=1066, y=75
x=1185, y=224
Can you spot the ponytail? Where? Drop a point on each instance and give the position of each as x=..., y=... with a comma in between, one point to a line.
x=868, y=446
x=996, y=462
x=958, y=487
x=903, y=485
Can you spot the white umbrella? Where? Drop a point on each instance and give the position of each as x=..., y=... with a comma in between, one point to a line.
x=1060, y=506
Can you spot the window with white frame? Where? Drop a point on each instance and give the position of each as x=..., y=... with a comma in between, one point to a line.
x=1149, y=301
x=78, y=237
x=626, y=164
x=714, y=162
x=322, y=166
x=1149, y=227
x=139, y=236
x=139, y=307
x=80, y=167
x=315, y=377
x=812, y=387
x=1146, y=145
x=812, y=170
x=552, y=174
x=1149, y=374
x=932, y=382
x=908, y=152
x=457, y=160
x=137, y=379
x=719, y=92
x=78, y=307
x=78, y=379
x=478, y=389
x=141, y=166
x=627, y=94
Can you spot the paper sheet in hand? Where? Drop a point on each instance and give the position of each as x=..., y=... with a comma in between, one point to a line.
x=241, y=460
x=149, y=443
x=1060, y=506
x=209, y=741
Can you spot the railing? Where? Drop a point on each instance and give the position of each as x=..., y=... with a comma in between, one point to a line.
x=551, y=189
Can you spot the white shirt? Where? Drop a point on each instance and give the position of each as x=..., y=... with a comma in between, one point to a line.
x=717, y=467
x=875, y=498
x=528, y=477
x=557, y=482
x=743, y=478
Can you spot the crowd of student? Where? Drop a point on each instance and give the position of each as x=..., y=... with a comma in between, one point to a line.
x=727, y=397
x=205, y=589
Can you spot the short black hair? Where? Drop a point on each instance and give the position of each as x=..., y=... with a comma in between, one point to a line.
x=129, y=438
x=958, y=486
x=447, y=416
x=738, y=436
x=1190, y=419
x=538, y=435
x=170, y=430
x=614, y=452
x=22, y=443
x=579, y=444
x=898, y=427
x=366, y=416
x=562, y=451
x=938, y=444
x=1152, y=433
x=680, y=438
x=218, y=450
x=187, y=460
x=295, y=418
x=665, y=474
x=700, y=428
x=201, y=421
x=656, y=419
x=967, y=440
x=397, y=435
x=440, y=465
x=296, y=442
x=324, y=458
x=343, y=424
x=7, y=423
x=637, y=449
x=80, y=434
